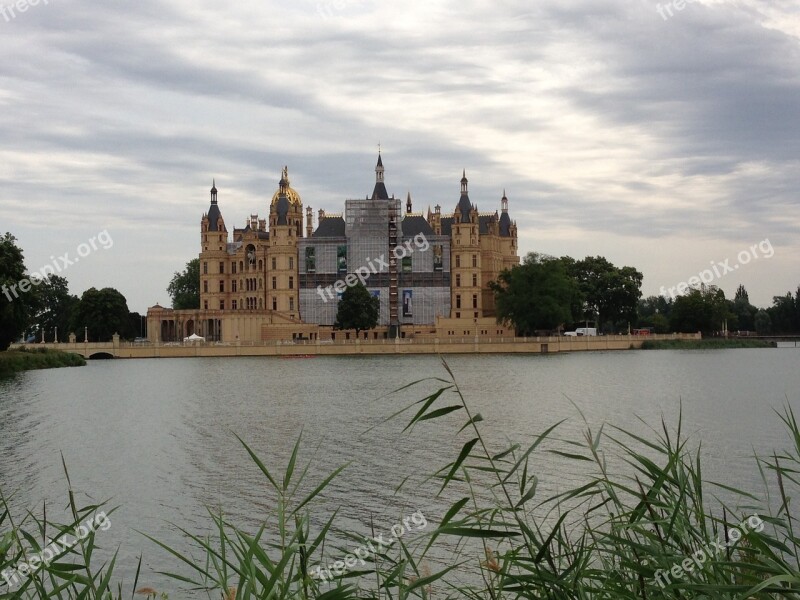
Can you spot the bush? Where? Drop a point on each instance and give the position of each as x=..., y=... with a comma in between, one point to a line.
x=28, y=359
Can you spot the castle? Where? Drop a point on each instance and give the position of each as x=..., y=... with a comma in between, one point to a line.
x=283, y=279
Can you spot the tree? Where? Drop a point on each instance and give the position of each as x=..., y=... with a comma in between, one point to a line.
x=185, y=287
x=611, y=293
x=105, y=312
x=744, y=311
x=538, y=294
x=763, y=323
x=14, y=306
x=703, y=309
x=654, y=312
x=53, y=308
x=358, y=309
x=785, y=313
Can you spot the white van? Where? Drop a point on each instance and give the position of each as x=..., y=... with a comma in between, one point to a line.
x=581, y=331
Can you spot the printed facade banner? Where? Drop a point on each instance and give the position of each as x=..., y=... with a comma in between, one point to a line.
x=407, y=298
x=438, y=257
x=311, y=259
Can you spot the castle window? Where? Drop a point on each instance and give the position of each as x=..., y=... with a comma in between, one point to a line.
x=458, y=279
x=261, y=284
x=274, y=304
x=474, y=260
x=291, y=284
x=261, y=265
x=241, y=266
x=474, y=280
x=233, y=287
x=205, y=268
x=274, y=263
x=205, y=304
x=291, y=262
x=222, y=267
x=221, y=287
x=205, y=287
x=233, y=267
x=234, y=305
x=474, y=300
x=222, y=304
x=291, y=303
x=260, y=303
x=274, y=283
x=458, y=301
x=458, y=260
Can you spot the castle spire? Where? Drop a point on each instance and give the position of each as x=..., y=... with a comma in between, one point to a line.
x=379, y=193
x=214, y=191
x=464, y=184
x=379, y=169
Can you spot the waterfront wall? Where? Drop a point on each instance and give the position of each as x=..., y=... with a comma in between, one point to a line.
x=466, y=345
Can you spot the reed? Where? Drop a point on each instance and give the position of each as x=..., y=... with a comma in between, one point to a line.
x=27, y=359
x=643, y=509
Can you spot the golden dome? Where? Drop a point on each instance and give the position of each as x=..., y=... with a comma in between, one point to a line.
x=291, y=194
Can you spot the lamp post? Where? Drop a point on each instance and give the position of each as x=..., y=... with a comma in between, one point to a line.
x=55, y=336
x=85, y=335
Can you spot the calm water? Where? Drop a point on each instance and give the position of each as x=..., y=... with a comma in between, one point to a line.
x=155, y=437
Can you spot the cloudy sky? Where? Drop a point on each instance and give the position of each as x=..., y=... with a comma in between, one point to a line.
x=662, y=138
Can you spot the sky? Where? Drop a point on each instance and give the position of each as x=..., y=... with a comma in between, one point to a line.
x=663, y=136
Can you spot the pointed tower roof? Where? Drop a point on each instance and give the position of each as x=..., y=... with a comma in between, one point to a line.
x=464, y=205
x=379, y=193
x=213, y=212
x=505, y=220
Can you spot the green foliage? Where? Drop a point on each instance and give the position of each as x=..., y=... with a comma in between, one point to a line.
x=654, y=312
x=709, y=344
x=763, y=322
x=70, y=572
x=611, y=293
x=784, y=313
x=702, y=310
x=184, y=289
x=536, y=295
x=54, y=308
x=105, y=312
x=14, y=312
x=358, y=309
x=29, y=359
x=643, y=508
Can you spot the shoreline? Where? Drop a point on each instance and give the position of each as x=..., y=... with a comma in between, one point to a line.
x=468, y=345
x=20, y=360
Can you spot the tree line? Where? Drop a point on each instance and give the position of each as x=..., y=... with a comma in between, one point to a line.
x=545, y=295
x=47, y=309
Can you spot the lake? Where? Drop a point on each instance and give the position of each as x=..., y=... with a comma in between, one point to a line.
x=156, y=437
